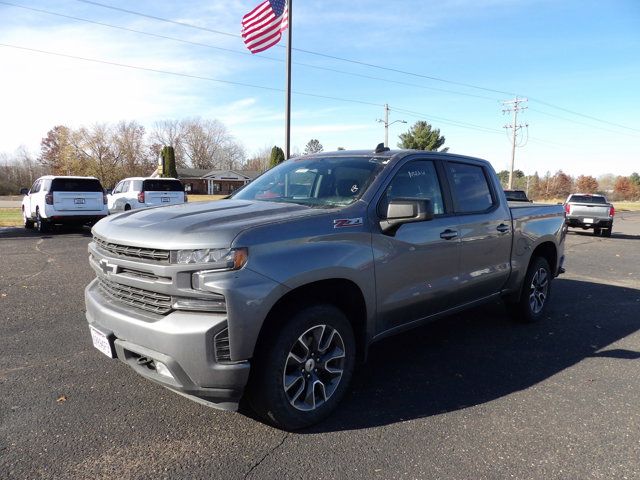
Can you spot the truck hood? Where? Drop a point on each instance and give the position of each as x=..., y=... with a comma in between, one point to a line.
x=194, y=225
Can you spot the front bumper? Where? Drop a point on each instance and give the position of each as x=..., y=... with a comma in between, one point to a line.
x=182, y=341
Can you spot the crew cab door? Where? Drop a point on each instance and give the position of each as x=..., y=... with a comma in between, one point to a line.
x=33, y=198
x=485, y=230
x=416, y=267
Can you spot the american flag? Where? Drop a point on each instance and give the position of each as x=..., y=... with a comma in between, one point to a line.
x=262, y=27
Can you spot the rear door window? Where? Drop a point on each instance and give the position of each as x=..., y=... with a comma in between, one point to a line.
x=470, y=188
x=162, y=186
x=76, y=185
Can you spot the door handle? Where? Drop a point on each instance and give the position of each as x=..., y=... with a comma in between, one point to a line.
x=503, y=228
x=448, y=234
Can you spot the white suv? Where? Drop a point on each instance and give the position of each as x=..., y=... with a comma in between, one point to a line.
x=63, y=200
x=138, y=192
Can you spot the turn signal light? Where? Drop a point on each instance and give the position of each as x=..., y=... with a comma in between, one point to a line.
x=612, y=211
x=48, y=198
x=141, y=197
x=567, y=208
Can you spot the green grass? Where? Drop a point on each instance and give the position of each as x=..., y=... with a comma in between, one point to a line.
x=10, y=217
x=204, y=198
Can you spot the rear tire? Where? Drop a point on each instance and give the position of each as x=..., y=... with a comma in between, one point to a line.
x=41, y=224
x=302, y=369
x=127, y=207
x=596, y=231
x=28, y=223
x=536, y=290
x=606, y=232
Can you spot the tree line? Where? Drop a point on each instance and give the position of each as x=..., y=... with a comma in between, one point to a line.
x=560, y=185
x=111, y=152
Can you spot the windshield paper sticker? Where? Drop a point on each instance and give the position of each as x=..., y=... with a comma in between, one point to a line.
x=347, y=222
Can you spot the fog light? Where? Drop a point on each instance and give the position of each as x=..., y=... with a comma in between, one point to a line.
x=162, y=369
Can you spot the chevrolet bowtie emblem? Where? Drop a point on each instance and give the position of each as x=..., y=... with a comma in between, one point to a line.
x=107, y=267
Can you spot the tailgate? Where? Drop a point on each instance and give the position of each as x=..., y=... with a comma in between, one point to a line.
x=163, y=198
x=75, y=201
x=589, y=210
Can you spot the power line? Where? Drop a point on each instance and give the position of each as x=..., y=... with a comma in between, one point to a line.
x=244, y=53
x=585, y=116
x=411, y=113
x=310, y=52
x=357, y=62
x=186, y=75
x=457, y=123
x=262, y=87
x=582, y=123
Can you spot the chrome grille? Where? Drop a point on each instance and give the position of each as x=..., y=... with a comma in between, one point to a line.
x=135, y=252
x=137, y=297
x=221, y=342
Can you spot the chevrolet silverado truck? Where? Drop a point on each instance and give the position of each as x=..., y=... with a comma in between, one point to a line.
x=586, y=211
x=273, y=295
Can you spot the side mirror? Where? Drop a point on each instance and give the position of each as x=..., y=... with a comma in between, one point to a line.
x=24, y=191
x=108, y=191
x=406, y=210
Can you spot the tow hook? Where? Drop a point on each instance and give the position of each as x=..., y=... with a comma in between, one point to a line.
x=144, y=361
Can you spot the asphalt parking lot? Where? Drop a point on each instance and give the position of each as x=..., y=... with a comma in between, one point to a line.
x=472, y=396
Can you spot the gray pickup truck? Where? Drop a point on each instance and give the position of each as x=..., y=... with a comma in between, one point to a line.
x=274, y=294
x=586, y=211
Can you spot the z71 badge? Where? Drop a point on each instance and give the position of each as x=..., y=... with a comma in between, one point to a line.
x=347, y=222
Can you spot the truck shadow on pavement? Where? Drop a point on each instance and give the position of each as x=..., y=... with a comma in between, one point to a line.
x=21, y=232
x=478, y=356
x=614, y=235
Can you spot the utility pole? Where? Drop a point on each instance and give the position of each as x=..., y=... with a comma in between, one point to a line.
x=386, y=124
x=514, y=106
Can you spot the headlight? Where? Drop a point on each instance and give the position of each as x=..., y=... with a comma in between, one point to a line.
x=215, y=258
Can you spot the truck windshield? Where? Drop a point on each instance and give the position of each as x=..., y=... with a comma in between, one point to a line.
x=317, y=182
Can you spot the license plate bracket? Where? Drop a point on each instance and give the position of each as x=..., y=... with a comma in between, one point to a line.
x=78, y=201
x=166, y=199
x=588, y=220
x=102, y=342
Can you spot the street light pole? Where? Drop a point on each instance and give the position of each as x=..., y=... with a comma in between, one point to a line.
x=386, y=124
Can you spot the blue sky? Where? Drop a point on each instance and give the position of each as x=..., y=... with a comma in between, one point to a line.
x=580, y=56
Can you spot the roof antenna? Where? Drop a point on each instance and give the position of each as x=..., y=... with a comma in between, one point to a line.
x=381, y=148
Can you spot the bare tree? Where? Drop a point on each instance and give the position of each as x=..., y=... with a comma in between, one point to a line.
x=130, y=147
x=169, y=133
x=260, y=160
x=207, y=144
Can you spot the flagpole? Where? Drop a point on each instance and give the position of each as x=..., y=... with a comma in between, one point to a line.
x=287, y=112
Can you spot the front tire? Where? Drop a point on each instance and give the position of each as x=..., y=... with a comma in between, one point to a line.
x=302, y=370
x=536, y=290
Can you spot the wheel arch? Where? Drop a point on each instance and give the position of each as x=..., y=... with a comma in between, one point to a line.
x=340, y=292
